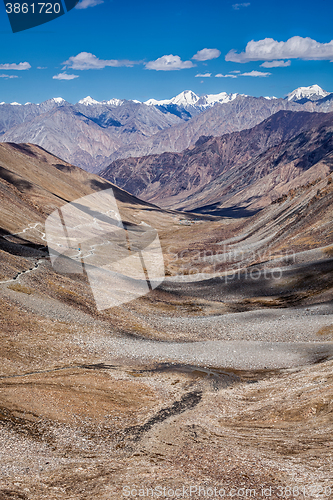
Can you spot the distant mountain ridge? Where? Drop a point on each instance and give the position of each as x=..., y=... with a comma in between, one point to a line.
x=83, y=134
x=92, y=134
x=247, y=169
x=188, y=104
x=188, y=98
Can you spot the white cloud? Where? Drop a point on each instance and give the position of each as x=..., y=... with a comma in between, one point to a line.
x=275, y=64
x=255, y=73
x=295, y=48
x=86, y=60
x=8, y=76
x=19, y=67
x=238, y=6
x=203, y=75
x=84, y=4
x=169, y=63
x=219, y=75
x=41, y=67
x=64, y=76
x=206, y=54
x=235, y=71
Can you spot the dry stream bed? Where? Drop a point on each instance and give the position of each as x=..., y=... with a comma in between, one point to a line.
x=179, y=388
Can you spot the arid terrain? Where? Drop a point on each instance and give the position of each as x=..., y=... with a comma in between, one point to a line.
x=220, y=378
x=240, y=170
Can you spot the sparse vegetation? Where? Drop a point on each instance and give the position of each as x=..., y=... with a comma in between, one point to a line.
x=18, y=287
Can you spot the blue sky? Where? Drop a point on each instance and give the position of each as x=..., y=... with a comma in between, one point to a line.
x=120, y=48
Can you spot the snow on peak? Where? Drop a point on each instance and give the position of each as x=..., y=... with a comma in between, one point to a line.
x=185, y=98
x=88, y=101
x=1, y=103
x=119, y=102
x=58, y=100
x=15, y=104
x=270, y=98
x=189, y=98
x=209, y=100
x=212, y=98
x=114, y=102
x=154, y=102
x=307, y=93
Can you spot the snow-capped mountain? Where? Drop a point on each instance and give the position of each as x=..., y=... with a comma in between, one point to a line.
x=114, y=102
x=88, y=101
x=187, y=99
x=53, y=100
x=58, y=100
x=312, y=93
x=188, y=104
x=209, y=100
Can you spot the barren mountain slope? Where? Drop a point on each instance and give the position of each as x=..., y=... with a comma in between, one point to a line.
x=263, y=179
x=92, y=403
x=242, y=113
x=34, y=183
x=85, y=135
x=12, y=115
x=218, y=167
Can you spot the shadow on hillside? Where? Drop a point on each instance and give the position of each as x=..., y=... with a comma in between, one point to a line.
x=15, y=180
x=284, y=287
x=234, y=211
x=23, y=148
x=15, y=245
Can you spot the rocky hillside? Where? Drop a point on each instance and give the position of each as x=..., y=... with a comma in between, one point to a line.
x=216, y=169
x=33, y=183
x=239, y=114
x=85, y=134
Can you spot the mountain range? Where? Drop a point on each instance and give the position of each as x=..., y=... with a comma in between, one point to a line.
x=92, y=134
x=244, y=170
x=91, y=400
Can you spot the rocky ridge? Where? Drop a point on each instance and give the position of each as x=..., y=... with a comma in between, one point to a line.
x=92, y=134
